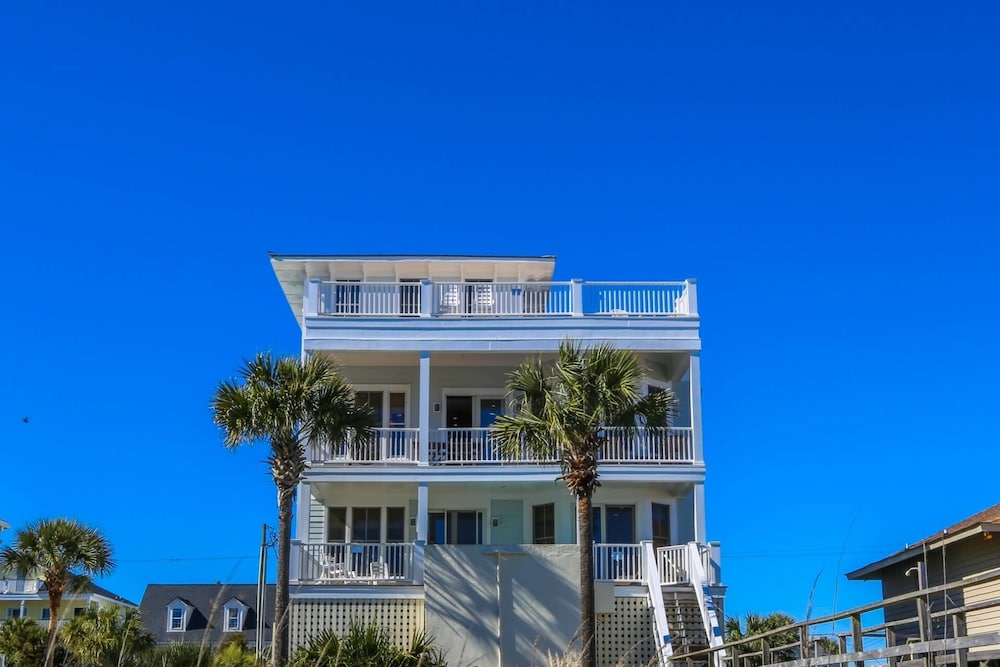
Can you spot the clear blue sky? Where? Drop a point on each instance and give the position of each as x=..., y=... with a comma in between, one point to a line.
x=828, y=171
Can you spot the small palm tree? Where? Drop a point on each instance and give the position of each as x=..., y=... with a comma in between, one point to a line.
x=564, y=410
x=782, y=645
x=287, y=404
x=65, y=554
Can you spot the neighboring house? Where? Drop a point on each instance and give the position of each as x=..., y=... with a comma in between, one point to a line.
x=431, y=527
x=28, y=597
x=967, y=549
x=209, y=613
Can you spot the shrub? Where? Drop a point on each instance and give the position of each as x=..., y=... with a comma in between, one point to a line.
x=367, y=646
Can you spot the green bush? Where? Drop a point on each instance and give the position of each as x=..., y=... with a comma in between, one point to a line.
x=367, y=646
x=22, y=641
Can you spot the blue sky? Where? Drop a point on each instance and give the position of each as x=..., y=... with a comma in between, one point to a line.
x=828, y=171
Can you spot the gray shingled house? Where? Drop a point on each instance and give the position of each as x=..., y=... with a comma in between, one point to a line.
x=196, y=613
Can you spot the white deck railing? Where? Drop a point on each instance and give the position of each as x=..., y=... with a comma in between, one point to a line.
x=671, y=444
x=674, y=563
x=618, y=562
x=388, y=445
x=18, y=586
x=369, y=299
x=476, y=446
x=335, y=562
x=503, y=299
x=493, y=299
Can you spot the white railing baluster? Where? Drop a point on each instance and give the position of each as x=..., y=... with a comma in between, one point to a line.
x=329, y=562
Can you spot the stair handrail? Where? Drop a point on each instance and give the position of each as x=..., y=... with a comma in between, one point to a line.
x=664, y=650
x=699, y=581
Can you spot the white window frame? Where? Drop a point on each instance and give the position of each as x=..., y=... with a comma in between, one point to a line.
x=387, y=389
x=477, y=394
x=171, y=608
x=233, y=605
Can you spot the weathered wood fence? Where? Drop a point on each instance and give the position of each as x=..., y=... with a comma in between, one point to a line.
x=930, y=638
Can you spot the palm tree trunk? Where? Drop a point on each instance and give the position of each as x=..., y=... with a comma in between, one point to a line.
x=55, y=600
x=279, y=636
x=585, y=527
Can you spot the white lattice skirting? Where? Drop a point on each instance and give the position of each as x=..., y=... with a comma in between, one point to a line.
x=625, y=638
x=401, y=617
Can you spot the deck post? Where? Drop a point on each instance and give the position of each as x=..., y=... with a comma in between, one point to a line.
x=423, y=444
x=765, y=652
x=857, y=638
x=576, y=297
x=960, y=629
x=804, y=642
x=421, y=541
x=426, y=298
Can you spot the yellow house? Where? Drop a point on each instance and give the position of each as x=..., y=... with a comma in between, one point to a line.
x=29, y=598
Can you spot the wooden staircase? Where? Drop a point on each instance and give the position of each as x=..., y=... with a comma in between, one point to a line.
x=687, y=629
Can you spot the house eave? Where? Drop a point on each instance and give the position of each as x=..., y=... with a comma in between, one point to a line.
x=872, y=570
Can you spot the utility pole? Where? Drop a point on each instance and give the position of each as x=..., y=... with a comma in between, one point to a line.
x=261, y=593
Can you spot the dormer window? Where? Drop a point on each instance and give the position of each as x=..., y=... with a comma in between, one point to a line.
x=234, y=614
x=177, y=616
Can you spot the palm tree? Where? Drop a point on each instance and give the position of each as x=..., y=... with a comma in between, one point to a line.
x=783, y=646
x=287, y=403
x=564, y=410
x=65, y=554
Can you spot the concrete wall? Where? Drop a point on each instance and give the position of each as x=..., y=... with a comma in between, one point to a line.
x=531, y=610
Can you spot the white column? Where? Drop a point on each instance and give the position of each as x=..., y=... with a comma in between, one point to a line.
x=694, y=373
x=699, y=512
x=310, y=298
x=425, y=408
x=422, y=521
x=576, y=296
x=303, y=506
x=692, y=296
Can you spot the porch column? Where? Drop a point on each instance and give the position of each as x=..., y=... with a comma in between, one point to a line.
x=698, y=493
x=694, y=373
x=302, y=511
x=418, y=546
x=425, y=408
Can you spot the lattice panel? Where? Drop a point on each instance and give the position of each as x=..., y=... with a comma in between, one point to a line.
x=401, y=617
x=625, y=637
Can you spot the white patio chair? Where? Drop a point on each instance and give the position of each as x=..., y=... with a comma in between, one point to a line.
x=378, y=570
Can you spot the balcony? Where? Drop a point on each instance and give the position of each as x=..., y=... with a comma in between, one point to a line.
x=19, y=586
x=337, y=563
x=358, y=563
x=495, y=299
x=476, y=447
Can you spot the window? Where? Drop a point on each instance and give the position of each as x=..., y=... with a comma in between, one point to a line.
x=175, y=622
x=395, y=524
x=544, y=524
x=78, y=611
x=336, y=524
x=367, y=524
x=46, y=613
x=234, y=619
x=13, y=612
x=661, y=525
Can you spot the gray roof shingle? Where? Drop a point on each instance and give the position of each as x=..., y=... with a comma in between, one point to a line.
x=206, y=622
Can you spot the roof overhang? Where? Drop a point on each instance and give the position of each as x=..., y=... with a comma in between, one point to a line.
x=872, y=570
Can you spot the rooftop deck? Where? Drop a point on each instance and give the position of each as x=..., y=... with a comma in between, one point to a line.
x=426, y=298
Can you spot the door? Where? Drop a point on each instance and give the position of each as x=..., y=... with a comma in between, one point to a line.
x=455, y=527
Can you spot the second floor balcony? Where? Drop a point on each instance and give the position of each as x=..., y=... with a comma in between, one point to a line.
x=477, y=447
